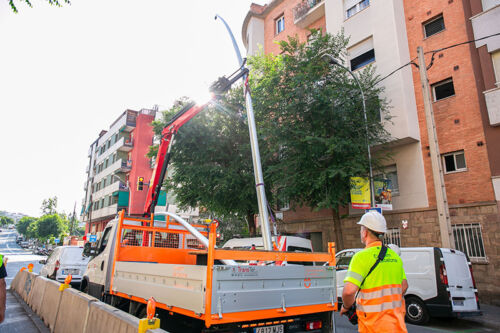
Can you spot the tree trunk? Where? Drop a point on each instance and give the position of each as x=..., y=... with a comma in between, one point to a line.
x=339, y=239
x=251, y=224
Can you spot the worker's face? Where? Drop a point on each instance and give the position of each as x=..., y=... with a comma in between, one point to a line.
x=363, y=233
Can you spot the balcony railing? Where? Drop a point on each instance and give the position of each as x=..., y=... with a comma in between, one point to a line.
x=493, y=105
x=126, y=166
x=302, y=9
x=126, y=145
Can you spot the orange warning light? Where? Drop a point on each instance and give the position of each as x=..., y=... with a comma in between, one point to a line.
x=22, y=269
x=151, y=308
x=68, y=278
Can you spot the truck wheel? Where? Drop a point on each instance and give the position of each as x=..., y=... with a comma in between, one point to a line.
x=416, y=311
x=84, y=286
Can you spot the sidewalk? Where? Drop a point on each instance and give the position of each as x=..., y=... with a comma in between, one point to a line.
x=20, y=318
x=490, y=317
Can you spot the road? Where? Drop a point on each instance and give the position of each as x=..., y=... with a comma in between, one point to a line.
x=17, y=256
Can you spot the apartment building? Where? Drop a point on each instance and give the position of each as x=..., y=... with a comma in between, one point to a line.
x=372, y=40
x=464, y=83
x=116, y=161
x=463, y=89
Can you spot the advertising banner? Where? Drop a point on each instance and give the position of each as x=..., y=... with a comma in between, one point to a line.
x=360, y=193
x=383, y=193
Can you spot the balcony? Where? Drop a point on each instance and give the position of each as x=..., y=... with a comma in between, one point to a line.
x=86, y=185
x=492, y=97
x=125, y=144
x=126, y=166
x=308, y=12
x=87, y=169
x=130, y=121
x=105, y=211
x=486, y=24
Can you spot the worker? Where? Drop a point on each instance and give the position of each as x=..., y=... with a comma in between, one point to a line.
x=376, y=285
x=3, y=288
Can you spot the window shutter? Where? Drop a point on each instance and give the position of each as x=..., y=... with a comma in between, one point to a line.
x=360, y=48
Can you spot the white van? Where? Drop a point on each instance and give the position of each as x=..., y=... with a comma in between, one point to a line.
x=440, y=282
x=63, y=261
x=283, y=243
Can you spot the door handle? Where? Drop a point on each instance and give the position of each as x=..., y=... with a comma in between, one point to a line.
x=102, y=265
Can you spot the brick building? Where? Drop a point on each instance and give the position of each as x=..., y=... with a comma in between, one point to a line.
x=464, y=90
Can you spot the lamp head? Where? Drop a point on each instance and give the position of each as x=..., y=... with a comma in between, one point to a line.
x=330, y=59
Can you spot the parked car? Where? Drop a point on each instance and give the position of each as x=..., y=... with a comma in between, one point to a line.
x=24, y=244
x=19, y=239
x=440, y=282
x=63, y=261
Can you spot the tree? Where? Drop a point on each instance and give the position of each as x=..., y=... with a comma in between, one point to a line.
x=314, y=119
x=5, y=220
x=49, y=206
x=212, y=160
x=24, y=223
x=28, y=2
x=50, y=225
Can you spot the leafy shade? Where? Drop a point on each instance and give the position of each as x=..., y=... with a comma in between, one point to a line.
x=28, y=2
x=212, y=161
x=24, y=223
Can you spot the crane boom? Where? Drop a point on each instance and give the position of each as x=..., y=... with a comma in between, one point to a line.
x=163, y=156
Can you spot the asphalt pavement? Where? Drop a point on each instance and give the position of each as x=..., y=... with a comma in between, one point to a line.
x=18, y=316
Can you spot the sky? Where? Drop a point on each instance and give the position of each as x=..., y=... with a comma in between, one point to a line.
x=67, y=73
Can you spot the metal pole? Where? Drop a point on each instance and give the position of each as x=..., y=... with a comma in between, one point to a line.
x=437, y=171
x=254, y=143
x=372, y=188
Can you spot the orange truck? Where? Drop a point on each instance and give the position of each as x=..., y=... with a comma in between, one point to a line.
x=200, y=288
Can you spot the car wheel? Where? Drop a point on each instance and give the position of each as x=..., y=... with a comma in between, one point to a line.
x=416, y=311
x=84, y=286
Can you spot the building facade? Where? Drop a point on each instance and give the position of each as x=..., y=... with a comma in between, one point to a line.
x=116, y=160
x=386, y=33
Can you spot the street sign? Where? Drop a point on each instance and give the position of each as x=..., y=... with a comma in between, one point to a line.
x=93, y=238
x=374, y=209
x=56, y=240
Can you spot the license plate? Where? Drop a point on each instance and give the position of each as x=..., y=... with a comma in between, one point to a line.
x=269, y=329
x=70, y=271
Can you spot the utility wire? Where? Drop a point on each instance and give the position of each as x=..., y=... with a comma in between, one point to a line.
x=433, y=52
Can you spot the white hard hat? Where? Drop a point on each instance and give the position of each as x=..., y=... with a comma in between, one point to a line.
x=374, y=221
x=395, y=248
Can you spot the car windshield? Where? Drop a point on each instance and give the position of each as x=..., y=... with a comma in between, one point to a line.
x=343, y=260
x=71, y=254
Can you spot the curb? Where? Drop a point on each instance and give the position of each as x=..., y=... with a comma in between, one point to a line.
x=33, y=317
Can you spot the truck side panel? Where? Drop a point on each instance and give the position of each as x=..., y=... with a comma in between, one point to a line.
x=249, y=288
x=173, y=285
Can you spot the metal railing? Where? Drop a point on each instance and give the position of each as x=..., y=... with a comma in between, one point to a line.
x=303, y=8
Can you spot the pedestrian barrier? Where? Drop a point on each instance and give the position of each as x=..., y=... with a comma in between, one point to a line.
x=35, y=300
x=27, y=286
x=73, y=311
x=22, y=280
x=105, y=318
x=70, y=310
x=50, y=304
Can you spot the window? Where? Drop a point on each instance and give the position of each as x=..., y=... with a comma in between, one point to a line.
x=393, y=236
x=361, y=54
x=454, y=162
x=363, y=60
x=343, y=259
x=469, y=239
x=443, y=89
x=495, y=57
x=434, y=26
x=353, y=7
x=280, y=24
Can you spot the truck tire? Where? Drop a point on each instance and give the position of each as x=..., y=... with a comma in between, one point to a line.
x=416, y=311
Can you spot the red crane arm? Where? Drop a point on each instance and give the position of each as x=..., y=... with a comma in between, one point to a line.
x=163, y=156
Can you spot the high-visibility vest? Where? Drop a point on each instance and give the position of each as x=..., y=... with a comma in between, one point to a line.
x=1, y=260
x=380, y=305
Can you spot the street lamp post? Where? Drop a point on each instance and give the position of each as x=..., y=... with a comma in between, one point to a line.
x=254, y=144
x=334, y=61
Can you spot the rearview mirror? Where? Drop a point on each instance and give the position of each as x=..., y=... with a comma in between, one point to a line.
x=87, y=251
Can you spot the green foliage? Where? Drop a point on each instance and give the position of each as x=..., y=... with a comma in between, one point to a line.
x=313, y=120
x=50, y=226
x=5, y=220
x=49, y=206
x=28, y=2
x=24, y=223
